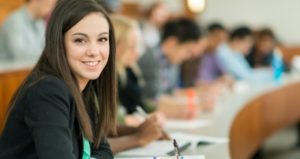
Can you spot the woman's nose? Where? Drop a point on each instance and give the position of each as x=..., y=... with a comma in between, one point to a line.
x=93, y=49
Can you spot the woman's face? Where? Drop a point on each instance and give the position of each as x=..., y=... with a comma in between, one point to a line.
x=87, y=47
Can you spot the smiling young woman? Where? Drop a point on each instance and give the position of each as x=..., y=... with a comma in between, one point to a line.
x=67, y=105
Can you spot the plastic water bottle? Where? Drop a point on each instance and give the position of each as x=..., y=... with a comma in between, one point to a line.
x=278, y=67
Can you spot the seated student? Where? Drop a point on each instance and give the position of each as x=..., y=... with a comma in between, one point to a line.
x=209, y=68
x=189, y=68
x=67, y=105
x=264, y=49
x=155, y=18
x=160, y=66
x=230, y=55
x=130, y=81
x=130, y=89
x=22, y=32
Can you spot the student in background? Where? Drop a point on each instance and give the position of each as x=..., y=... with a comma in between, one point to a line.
x=160, y=65
x=155, y=18
x=231, y=56
x=190, y=67
x=209, y=69
x=264, y=49
x=129, y=88
x=22, y=32
x=65, y=109
x=130, y=80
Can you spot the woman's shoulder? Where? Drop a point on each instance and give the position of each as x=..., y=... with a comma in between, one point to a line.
x=48, y=85
x=48, y=81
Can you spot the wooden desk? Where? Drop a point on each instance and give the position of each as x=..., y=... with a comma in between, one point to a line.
x=262, y=117
x=289, y=52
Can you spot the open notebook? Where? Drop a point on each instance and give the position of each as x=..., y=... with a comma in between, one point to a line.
x=163, y=148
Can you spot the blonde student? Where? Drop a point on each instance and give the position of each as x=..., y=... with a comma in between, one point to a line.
x=67, y=104
x=146, y=131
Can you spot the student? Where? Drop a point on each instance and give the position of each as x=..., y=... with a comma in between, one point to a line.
x=231, y=56
x=67, y=105
x=129, y=89
x=160, y=66
x=209, y=68
x=130, y=80
x=22, y=32
x=264, y=49
x=155, y=18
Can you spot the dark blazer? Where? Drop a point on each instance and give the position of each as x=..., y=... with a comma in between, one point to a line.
x=42, y=124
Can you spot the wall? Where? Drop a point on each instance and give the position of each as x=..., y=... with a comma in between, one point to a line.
x=282, y=15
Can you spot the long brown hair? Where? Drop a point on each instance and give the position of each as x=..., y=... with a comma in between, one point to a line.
x=100, y=94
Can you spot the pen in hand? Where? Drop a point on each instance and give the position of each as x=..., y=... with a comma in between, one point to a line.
x=144, y=114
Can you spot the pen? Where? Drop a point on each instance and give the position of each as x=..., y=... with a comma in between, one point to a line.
x=177, y=153
x=145, y=115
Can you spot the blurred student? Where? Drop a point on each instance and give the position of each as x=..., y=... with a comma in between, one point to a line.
x=230, y=55
x=264, y=50
x=160, y=65
x=156, y=16
x=129, y=88
x=22, y=32
x=190, y=67
x=210, y=69
x=67, y=105
x=130, y=80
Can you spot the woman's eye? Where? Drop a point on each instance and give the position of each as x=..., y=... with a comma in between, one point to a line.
x=104, y=39
x=78, y=40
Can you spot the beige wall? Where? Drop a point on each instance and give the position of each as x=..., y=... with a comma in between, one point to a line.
x=282, y=15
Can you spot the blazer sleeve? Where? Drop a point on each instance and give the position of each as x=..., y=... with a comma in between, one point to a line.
x=104, y=151
x=47, y=115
